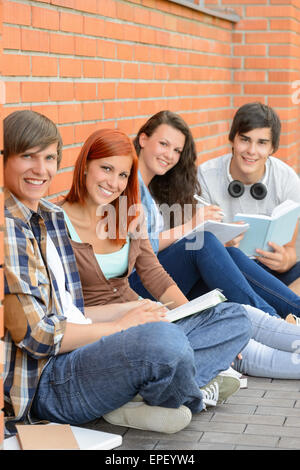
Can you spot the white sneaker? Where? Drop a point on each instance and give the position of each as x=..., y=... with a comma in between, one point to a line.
x=139, y=415
x=234, y=373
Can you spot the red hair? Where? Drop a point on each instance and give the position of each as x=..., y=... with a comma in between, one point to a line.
x=105, y=143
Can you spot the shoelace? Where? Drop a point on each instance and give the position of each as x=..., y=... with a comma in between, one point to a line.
x=297, y=320
x=211, y=394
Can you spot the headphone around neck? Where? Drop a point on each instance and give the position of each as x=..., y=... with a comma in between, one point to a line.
x=236, y=188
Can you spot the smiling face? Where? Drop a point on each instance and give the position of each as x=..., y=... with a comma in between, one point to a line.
x=160, y=152
x=250, y=153
x=28, y=175
x=106, y=178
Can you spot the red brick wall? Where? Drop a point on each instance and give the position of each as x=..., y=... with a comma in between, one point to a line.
x=267, y=43
x=86, y=65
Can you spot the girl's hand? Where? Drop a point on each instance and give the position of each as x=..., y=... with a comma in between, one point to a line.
x=146, y=312
x=213, y=213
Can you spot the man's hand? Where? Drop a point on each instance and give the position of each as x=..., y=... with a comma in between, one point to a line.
x=277, y=260
x=237, y=240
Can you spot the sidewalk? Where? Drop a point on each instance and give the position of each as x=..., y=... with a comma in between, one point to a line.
x=264, y=416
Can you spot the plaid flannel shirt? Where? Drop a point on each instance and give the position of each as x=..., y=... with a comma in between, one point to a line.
x=33, y=317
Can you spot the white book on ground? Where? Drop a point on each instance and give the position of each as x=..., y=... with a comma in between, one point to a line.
x=197, y=305
x=279, y=227
x=87, y=439
x=223, y=231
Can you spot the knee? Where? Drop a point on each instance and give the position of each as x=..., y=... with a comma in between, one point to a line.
x=161, y=342
x=240, y=321
x=210, y=239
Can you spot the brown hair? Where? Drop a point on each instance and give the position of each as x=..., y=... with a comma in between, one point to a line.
x=26, y=129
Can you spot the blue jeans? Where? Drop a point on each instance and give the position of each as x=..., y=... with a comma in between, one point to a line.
x=288, y=277
x=229, y=269
x=273, y=351
x=165, y=363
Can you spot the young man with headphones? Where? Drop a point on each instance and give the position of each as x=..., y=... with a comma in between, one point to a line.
x=251, y=181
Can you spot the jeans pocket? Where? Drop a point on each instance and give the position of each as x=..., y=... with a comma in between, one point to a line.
x=61, y=370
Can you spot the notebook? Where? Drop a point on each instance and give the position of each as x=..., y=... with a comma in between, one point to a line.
x=60, y=436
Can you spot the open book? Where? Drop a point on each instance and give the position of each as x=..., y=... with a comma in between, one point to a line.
x=278, y=227
x=223, y=231
x=197, y=305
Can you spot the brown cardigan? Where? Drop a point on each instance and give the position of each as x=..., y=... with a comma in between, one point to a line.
x=97, y=290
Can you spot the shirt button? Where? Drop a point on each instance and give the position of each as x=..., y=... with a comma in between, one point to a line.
x=115, y=289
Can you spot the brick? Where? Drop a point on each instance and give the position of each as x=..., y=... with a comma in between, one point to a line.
x=106, y=91
x=51, y=111
x=69, y=157
x=85, y=46
x=62, y=44
x=67, y=134
x=44, y=66
x=11, y=37
x=283, y=431
x=85, y=91
x=12, y=92
x=82, y=131
x=92, y=68
x=112, y=69
x=107, y=49
x=34, y=91
x=68, y=113
x=61, y=91
x=69, y=67
x=61, y=182
x=261, y=441
x=92, y=111
x=16, y=13
x=16, y=65
x=33, y=40
x=72, y=23
x=44, y=18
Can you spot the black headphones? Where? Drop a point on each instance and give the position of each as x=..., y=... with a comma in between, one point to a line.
x=236, y=188
x=258, y=190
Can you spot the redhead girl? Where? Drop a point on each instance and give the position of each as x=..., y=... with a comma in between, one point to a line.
x=109, y=243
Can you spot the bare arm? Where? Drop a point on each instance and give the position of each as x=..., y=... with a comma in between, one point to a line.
x=78, y=335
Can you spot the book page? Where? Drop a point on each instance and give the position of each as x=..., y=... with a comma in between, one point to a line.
x=197, y=305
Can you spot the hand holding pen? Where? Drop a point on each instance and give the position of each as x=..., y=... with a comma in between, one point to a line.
x=211, y=212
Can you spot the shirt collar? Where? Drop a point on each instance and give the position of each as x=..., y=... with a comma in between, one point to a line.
x=15, y=208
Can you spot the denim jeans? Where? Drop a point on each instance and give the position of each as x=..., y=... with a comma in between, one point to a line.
x=273, y=351
x=229, y=269
x=288, y=277
x=164, y=362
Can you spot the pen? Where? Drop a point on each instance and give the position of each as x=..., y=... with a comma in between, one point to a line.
x=205, y=203
x=198, y=198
